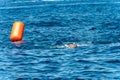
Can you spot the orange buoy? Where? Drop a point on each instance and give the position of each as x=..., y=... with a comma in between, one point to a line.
x=17, y=31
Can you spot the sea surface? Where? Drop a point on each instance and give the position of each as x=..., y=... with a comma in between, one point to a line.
x=51, y=24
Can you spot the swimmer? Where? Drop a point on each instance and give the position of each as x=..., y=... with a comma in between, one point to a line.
x=71, y=45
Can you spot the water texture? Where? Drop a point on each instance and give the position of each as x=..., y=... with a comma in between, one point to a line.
x=50, y=23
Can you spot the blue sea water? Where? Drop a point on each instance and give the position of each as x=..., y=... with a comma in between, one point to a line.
x=51, y=23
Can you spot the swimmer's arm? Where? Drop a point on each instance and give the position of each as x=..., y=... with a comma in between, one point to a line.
x=82, y=44
x=58, y=47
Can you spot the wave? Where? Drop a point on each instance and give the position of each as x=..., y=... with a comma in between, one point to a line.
x=25, y=1
x=19, y=7
x=52, y=0
x=70, y=4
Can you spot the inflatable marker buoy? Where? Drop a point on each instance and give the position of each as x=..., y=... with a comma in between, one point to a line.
x=17, y=31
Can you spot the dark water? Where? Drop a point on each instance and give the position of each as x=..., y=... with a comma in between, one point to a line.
x=49, y=24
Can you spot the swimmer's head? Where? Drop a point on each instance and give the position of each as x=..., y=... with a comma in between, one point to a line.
x=71, y=45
